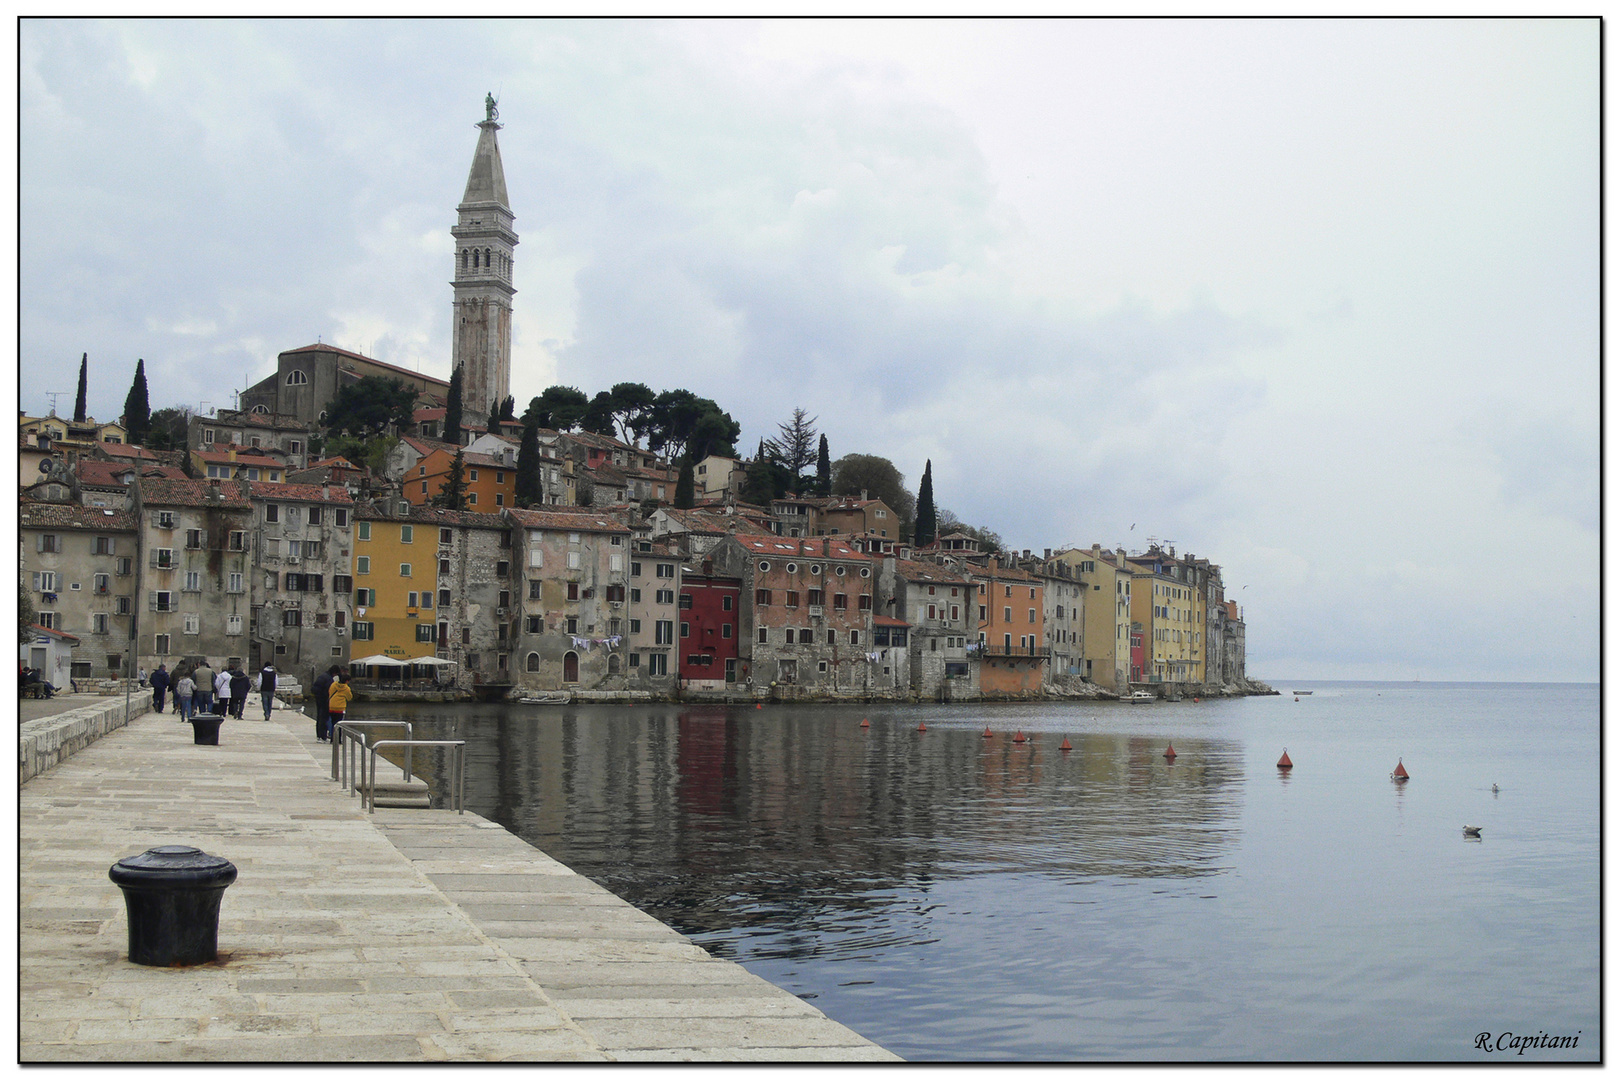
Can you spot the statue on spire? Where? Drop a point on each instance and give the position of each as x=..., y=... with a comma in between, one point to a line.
x=490, y=111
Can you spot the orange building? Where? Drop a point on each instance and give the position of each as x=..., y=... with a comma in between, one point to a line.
x=1012, y=631
x=491, y=483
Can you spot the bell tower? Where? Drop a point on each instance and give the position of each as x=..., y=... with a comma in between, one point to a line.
x=481, y=319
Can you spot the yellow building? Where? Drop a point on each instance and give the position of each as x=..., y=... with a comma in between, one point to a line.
x=395, y=574
x=1106, y=641
x=1171, y=612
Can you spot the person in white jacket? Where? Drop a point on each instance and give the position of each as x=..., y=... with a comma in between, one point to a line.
x=222, y=689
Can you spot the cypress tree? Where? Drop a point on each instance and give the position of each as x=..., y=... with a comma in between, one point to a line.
x=528, y=465
x=137, y=409
x=823, y=470
x=685, y=486
x=79, y=404
x=494, y=424
x=452, y=409
x=927, y=517
x=453, y=496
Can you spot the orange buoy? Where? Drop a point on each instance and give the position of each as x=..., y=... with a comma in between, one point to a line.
x=1283, y=763
x=1195, y=701
x=866, y=723
x=1065, y=745
x=1018, y=736
x=1399, y=775
x=1170, y=751
x=921, y=726
x=987, y=732
x=759, y=706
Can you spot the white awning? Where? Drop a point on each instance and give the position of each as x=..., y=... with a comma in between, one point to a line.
x=391, y=661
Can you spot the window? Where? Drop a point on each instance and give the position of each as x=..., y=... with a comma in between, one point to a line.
x=635, y=596
x=635, y=569
x=764, y=636
x=664, y=632
x=635, y=626
x=532, y=663
x=686, y=629
x=292, y=617
x=236, y=540
x=573, y=591
x=163, y=558
x=686, y=600
x=365, y=597
x=362, y=564
x=573, y=560
x=363, y=631
x=1031, y=614
x=504, y=598
x=103, y=583
x=503, y=569
x=1006, y=614
x=865, y=603
x=406, y=532
x=666, y=570
x=121, y=605
x=814, y=597
x=792, y=598
x=315, y=515
x=472, y=475
x=208, y=435
x=854, y=637
x=404, y=569
x=657, y=663
x=665, y=596
x=725, y=630
x=272, y=512
x=193, y=581
x=123, y=567
x=725, y=602
x=342, y=583
x=162, y=601
x=424, y=632
x=165, y=519
x=233, y=625
x=160, y=644
x=296, y=378
x=840, y=602
x=444, y=598
x=362, y=530
x=103, y=545
x=531, y=625
x=98, y=622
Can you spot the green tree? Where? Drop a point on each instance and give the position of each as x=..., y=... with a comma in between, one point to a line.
x=797, y=447
x=367, y=453
x=877, y=476
x=560, y=408
x=370, y=408
x=989, y=541
x=927, y=520
x=169, y=428
x=493, y=424
x=452, y=409
x=137, y=409
x=453, y=495
x=528, y=489
x=508, y=403
x=79, y=403
x=599, y=418
x=25, y=612
x=823, y=470
x=765, y=478
x=685, y=486
x=632, y=410
x=681, y=423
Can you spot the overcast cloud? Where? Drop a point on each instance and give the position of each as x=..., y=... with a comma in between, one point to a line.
x=1317, y=300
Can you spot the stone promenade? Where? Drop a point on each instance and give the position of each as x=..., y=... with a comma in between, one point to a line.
x=411, y=935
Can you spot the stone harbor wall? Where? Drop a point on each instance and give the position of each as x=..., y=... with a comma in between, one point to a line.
x=47, y=742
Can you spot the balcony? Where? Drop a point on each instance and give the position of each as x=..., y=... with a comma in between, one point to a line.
x=997, y=652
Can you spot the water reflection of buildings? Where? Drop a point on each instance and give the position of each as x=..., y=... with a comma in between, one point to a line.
x=716, y=818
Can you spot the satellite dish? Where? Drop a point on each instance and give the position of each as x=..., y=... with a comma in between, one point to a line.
x=45, y=465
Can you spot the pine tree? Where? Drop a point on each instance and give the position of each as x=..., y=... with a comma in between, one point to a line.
x=528, y=465
x=453, y=495
x=507, y=408
x=452, y=409
x=823, y=470
x=927, y=517
x=79, y=404
x=493, y=426
x=137, y=409
x=793, y=449
x=685, y=486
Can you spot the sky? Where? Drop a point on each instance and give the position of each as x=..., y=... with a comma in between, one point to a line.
x=1317, y=300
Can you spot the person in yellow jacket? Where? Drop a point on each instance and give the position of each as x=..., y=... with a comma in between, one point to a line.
x=337, y=700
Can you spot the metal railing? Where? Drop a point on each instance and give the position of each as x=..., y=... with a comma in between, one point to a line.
x=458, y=768
x=347, y=731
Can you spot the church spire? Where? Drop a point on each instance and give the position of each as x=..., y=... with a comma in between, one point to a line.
x=481, y=327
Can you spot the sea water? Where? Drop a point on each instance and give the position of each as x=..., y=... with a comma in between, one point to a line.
x=957, y=897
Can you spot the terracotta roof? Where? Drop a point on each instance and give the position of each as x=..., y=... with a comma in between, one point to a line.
x=272, y=421
x=227, y=494
x=124, y=450
x=108, y=474
x=911, y=570
x=54, y=633
x=427, y=446
x=428, y=414
x=887, y=620
x=1005, y=573
x=801, y=547
x=584, y=519
x=259, y=456
x=432, y=515
x=37, y=515
x=335, y=462
x=300, y=492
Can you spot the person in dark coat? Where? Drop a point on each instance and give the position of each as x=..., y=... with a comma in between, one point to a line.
x=160, y=684
x=241, y=683
x=267, y=688
x=323, y=683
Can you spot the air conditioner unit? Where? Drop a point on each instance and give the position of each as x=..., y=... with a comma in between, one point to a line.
x=341, y=631
x=292, y=560
x=615, y=603
x=500, y=611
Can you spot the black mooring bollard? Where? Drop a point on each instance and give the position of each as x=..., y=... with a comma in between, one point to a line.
x=205, y=729
x=172, y=896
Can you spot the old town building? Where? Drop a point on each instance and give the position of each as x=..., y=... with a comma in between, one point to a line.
x=79, y=568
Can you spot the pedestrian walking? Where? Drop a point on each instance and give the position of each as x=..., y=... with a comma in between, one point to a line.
x=222, y=693
x=184, y=690
x=202, y=698
x=267, y=688
x=241, y=683
x=142, y=676
x=160, y=684
x=322, y=686
x=337, y=702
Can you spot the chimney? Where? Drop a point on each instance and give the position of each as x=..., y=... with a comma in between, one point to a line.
x=708, y=567
x=1048, y=553
x=863, y=494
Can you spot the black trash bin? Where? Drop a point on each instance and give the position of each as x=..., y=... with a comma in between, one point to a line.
x=205, y=729
x=172, y=896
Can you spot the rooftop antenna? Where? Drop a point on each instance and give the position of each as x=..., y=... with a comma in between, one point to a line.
x=53, y=395
x=200, y=405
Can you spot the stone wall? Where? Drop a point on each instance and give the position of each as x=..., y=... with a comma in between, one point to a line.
x=47, y=742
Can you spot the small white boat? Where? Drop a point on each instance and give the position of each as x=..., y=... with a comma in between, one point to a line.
x=547, y=697
x=1139, y=697
x=1472, y=830
x=1303, y=693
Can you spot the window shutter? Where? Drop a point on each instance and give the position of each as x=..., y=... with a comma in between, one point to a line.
x=151, y=600
x=39, y=542
x=316, y=582
x=36, y=581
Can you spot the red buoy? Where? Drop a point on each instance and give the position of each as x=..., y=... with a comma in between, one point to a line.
x=866, y=723
x=987, y=732
x=921, y=726
x=1018, y=736
x=1065, y=745
x=759, y=706
x=1400, y=772
x=1283, y=763
x=1195, y=701
x=1170, y=751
